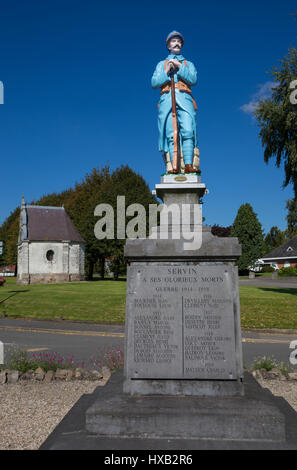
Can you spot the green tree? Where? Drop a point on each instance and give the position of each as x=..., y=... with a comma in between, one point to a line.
x=104, y=186
x=277, y=118
x=87, y=195
x=9, y=232
x=56, y=199
x=292, y=217
x=124, y=182
x=247, y=228
x=219, y=231
x=274, y=239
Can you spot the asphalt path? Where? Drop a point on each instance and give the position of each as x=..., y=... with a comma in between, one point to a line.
x=89, y=341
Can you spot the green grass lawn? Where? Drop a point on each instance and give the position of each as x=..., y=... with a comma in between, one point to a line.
x=97, y=301
x=267, y=307
x=104, y=301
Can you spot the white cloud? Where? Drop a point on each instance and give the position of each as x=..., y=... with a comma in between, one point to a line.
x=263, y=92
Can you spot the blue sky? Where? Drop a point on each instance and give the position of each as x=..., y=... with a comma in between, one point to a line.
x=77, y=94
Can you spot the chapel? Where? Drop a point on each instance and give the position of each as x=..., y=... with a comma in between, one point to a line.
x=50, y=248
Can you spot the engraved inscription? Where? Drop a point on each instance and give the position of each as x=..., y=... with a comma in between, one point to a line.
x=153, y=336
x=181, y=323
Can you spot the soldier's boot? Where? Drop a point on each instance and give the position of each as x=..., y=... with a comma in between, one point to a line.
x=188, y=150
x=190, y=169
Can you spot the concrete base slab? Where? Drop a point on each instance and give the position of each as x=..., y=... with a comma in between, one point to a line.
x=71, y=433
x=187, y=417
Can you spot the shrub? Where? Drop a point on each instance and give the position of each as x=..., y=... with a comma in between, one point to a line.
x=284, y=368
x=267, y=363
x=113, y=359
x=267, y=269
x=287, y=271
x=243, y=272
x=20, y=360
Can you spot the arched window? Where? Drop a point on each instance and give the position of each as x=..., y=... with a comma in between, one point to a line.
x=50, y=255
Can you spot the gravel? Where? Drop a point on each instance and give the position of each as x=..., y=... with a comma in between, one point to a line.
x=286, y=389
x=29, y=412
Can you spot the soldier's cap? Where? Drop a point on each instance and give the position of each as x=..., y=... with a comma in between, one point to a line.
x=174, y=34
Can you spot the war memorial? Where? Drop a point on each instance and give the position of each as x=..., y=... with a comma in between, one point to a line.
x=183, y=375
x=183, y=385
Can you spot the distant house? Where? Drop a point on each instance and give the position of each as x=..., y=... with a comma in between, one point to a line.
x=50, y=249
x=282, y=257
x=8, y=270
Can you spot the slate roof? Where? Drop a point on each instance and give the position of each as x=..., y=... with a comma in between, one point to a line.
x=282, y=251
x=51, y=223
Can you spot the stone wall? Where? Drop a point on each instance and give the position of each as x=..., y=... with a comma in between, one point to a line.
x=38, y=262
x=50, y=262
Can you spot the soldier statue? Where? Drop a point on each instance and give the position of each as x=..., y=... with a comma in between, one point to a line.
x=177, y=109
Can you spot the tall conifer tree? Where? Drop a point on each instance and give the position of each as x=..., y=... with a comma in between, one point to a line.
x=247, y=228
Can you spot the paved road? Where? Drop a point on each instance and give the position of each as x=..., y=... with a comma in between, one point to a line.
x=84, y=341
x=89, y=340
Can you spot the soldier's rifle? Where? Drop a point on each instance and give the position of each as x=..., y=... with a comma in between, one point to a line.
x=176, y=149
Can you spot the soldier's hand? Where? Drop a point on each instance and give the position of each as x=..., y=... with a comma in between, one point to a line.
x=176, y=63
x=170, y=68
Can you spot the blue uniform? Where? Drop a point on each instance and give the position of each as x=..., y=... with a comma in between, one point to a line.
x=186, y=114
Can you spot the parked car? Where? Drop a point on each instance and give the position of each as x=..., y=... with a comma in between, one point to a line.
x=256, y=266
x=2, y=280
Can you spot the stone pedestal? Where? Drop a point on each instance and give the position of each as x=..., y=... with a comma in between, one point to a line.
x=183, y=321
x=183, y=375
